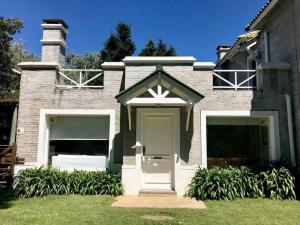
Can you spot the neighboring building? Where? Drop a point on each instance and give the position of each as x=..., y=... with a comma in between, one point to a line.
x=273, y=49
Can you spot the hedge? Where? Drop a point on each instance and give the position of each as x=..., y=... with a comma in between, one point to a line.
x=231, y=183
x=47, y=181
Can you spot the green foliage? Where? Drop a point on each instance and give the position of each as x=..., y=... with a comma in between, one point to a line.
x=8, y=27
x=277, y=184
x=9, y=84
x=88, y=60
x=19, y=54
x=231, y=183
x=47, y=181
x=10, y=55
x=161, y=49
x=9, y=81
x=118, y=45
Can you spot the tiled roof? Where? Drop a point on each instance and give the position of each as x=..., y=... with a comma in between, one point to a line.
x=240, y=40
x=248, y=36
x=258, y=14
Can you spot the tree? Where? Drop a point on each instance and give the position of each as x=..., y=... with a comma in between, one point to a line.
x=118, y=45
x=89, y=60
x=9, y=80
x=8, y=27
x=9, y=83
x=161, y=49
x=149, y=49
x=18, y=53
x=11, y=54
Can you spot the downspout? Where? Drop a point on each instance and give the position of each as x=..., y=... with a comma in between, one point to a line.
x=290, y=128
x=266, y=47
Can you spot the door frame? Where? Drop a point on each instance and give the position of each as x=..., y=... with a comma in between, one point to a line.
x=175, y=161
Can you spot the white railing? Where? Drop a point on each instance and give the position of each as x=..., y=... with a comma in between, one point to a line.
x=234, y=79
x=80, y=78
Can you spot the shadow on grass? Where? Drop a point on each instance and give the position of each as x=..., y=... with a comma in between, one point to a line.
x=6, y=198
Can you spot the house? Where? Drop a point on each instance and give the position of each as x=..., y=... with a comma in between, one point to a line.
x=154, y=119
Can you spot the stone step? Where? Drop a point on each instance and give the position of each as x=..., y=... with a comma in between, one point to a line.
x=157, y=192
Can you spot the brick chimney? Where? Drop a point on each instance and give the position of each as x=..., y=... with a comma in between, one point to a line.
x=222, y=51
x=54, y=41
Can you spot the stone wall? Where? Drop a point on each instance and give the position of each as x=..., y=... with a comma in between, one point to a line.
x=283, y=27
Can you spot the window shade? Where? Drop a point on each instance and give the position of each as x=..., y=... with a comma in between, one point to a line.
x=79, y=128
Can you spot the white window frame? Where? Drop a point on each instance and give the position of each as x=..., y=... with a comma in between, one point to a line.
x=274, y=137
x=43, y=139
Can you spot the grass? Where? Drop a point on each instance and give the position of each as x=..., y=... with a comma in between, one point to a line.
x=74, y=209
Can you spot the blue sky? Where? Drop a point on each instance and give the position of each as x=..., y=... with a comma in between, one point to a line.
x=193, y=27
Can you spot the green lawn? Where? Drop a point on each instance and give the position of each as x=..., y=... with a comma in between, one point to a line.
x=74, y=209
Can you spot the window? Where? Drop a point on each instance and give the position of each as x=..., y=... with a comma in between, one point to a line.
x=79, y=135
x=237, y=145
x=79, y=142
x=251, y=65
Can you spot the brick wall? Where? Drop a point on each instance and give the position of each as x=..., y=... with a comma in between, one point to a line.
x=38, y=92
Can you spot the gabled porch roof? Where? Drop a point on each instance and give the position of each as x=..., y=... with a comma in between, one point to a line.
x=160, y=78
x=161, y=89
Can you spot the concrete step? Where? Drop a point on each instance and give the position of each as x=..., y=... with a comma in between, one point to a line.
x=157, y=192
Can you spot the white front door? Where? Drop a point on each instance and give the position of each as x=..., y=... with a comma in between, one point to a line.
x=157, y=155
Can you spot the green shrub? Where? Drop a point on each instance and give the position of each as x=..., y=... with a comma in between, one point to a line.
x=46, y=181
x=277, y=184
x=231, y=183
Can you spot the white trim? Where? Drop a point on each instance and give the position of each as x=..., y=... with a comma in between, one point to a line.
x=54, y=42
x=46, y=65
x=139, y=148
x=274, y=137
x=43, y=140
x=78, y=139
x=158, y=59
x=113, y=65
x=128, y=166
x=263, y=14
x=16, y=71
x=204, y=65
x=54, y=27
x=183, y=178
x=156, y=101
